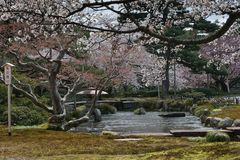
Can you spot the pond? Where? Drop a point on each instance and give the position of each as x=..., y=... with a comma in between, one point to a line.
x=128, y=123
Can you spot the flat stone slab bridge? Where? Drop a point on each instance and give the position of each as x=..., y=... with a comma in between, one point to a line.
x=231, y=131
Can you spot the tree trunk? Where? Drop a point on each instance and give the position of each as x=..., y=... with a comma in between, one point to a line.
x=208, y=80
x=227, y=84
x=57, y=120
x=167, y=83
x=55, y=96
x=221, y=85
x=175, y=79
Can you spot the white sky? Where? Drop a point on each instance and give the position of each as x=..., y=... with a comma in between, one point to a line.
x=222, y=19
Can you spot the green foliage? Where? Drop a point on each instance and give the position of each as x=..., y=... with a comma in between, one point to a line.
x=188, y=102
x=25, y=116
x=220, y=102
x=195, y=95
x=3, y=94
x=175, y=31
x=217, y=136
x=207, y=91
x=79, y=112
x=149, y=104
x=139, y=111
x=90, y=69
x=205, y=25
x=107, y=108
x=24, y=112
x=203, y=110
x=175, y=105
x=25, y=79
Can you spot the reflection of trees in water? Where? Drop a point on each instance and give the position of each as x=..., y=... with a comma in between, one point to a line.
x=127, y=122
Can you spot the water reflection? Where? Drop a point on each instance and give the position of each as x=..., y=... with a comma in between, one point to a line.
x=127, y=122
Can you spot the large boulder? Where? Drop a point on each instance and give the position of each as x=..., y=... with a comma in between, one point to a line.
x=97, y=115
x=236, y=123
x=226, y=122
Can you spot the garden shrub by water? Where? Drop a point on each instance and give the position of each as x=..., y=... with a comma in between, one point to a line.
x=128, y=122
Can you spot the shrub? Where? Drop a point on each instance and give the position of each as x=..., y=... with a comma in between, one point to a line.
x=107, y=108
x=79, y=112
x=188, y=102
x=217, y=136
x=195, y=95
x=175, y=105
x=3, y=93
x=140, y=111
x=219, y=102
x=25, y=116
x=148, y=104
x=208, y=92
x=202, y=110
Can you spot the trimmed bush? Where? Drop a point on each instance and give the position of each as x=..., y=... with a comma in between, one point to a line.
x=140, y=111
x=203, y=110
x=195, y=95
x=107, y=108
x=79, y=112
x=149, y=104
x=217, y=136
x=25, y=116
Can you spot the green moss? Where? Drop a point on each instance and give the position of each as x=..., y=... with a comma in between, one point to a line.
x=229, y=111
x=50, y=145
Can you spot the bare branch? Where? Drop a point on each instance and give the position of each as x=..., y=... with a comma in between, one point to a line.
x=32, y=97
x=71, y=90
x=29, y=64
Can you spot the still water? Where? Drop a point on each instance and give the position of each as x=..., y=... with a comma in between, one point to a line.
x=128, y=122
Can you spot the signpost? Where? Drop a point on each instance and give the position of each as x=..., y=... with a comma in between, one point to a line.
x=8, y=80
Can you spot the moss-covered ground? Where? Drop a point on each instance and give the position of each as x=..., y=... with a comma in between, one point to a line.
x=228, y=111
x=43, y=144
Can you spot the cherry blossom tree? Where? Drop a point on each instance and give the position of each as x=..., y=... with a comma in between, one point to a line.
x=225, y=51
x=46, y=24
x=155, y=16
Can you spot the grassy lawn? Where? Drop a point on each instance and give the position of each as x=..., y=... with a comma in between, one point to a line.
x=229, y=111
x=50, y=145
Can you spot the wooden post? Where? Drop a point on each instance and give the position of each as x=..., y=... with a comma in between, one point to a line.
x=9, y=111
x=8, y=80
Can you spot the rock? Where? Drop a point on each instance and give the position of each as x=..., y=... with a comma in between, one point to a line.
x=140, y=111
x=109, y=133
x=236, y=123
x=165, y=107
x=207, y=121
x=97, y=115
x=213, y=122
x=226, y=122
x=173, y=114
x=203, y=118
